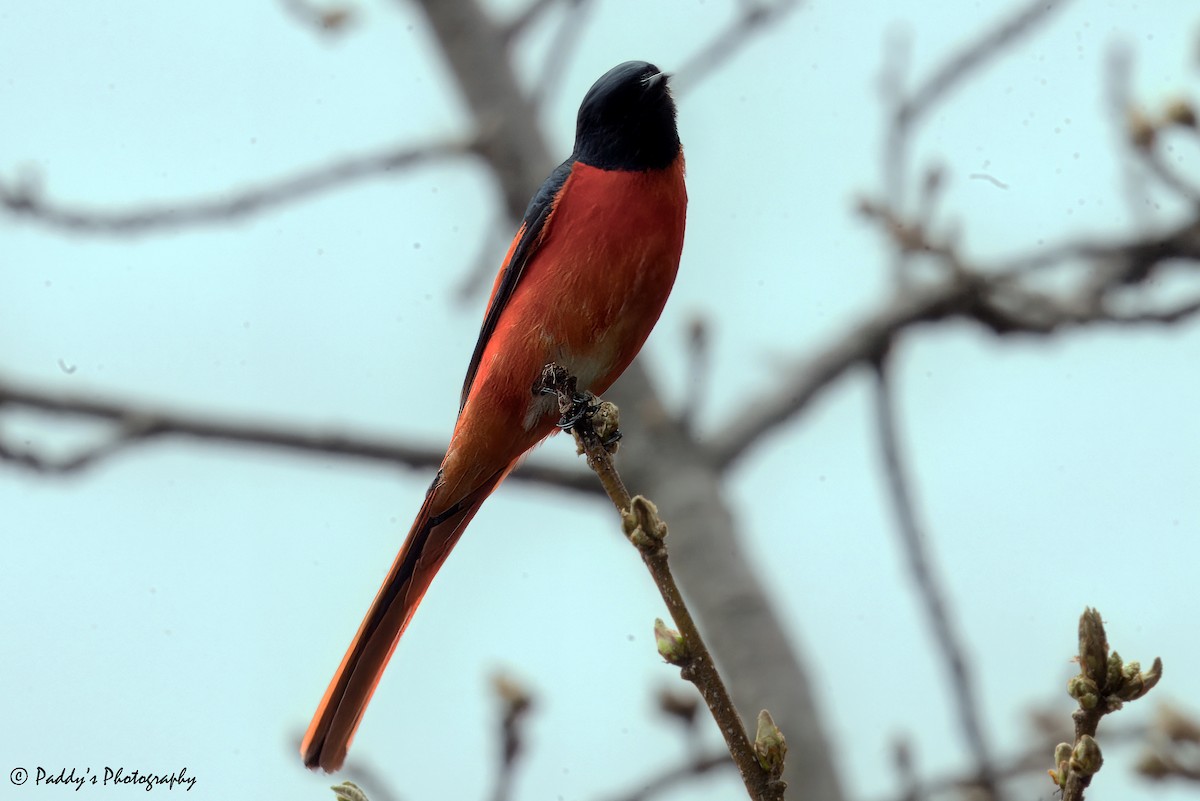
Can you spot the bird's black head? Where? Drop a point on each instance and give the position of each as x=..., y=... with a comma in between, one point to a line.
x=627, y=120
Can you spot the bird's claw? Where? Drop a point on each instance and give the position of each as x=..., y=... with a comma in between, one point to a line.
x=583, y=407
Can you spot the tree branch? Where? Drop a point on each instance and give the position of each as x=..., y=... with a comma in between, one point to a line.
x=1105, y=683
x=752, y=18
x=992, y=296
x=646, y=530
x=27, y=202
x=699, y=765
x=140, y=425
x=929, y=586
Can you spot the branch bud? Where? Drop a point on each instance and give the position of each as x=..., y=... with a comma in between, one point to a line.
x=1083, y=690
x=348, y=791
x=670, y=643
x=1180, y=112
x=770, y=746
x=1135, y=682
x=642, y=524
x=1062, y=764
x=1086, y=757
x=1093, y=646
x=606, y=421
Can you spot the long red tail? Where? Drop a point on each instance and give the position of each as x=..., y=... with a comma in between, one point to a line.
x=424, y=550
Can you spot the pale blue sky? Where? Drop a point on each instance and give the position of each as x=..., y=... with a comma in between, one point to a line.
x=185, y=605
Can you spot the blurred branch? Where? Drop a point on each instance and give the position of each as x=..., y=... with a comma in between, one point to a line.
x=670, y=779
x=25, y=199
x=906, y=109
x=1174, y=750
x=517, y=702
x=928, y=585
x=329, y=20
x=1142, y=132
x=476, y=49
x=525, y=18
x=139, y=425
x=754, y=16
x=1030, y=761
x=975, y=55
x=482, y=270
x=998, y=297
x=698, y=372
x=563, y=45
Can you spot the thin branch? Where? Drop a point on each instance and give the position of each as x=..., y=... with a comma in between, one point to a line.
x=1173, y=751
x=752, y=18
x=517, y=702
x=647, y=531
x=1141, y=136
x=1168, y=177
x=928, y=585
x=1029, y=761
x=566, y=38
x=698, y=372
x=695, y=767
x=27, y=202
x=482, y=271
x=329, y=20
x=476, y=50
x=956, y=69
x=525, y=19
x=140, y=425
x=1105, y=684
x=906, y=109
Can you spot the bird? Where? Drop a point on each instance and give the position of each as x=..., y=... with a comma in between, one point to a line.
x=582, y=284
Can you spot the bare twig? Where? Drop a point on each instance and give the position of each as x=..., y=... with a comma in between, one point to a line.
x=554, y=66
x=955, y=70
x=24, y=201
x=906, y=109
x=1027, y=762
x=486, y=262
x=698, y=372
x=1174, y=747
x=1105, y=683
x=525, y=18
x=1123, y=118
x=647, y=532
x=695, y=767
x=1168, y=177
x=928, y=584
x=476, y=49
x=139, y=425
x=326, y=20
x=1141, y=135
x=517, y=703
x=752, y=17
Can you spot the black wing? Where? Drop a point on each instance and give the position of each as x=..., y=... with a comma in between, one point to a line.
x=533, y=226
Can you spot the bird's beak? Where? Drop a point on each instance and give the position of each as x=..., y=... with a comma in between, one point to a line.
x=653, y=81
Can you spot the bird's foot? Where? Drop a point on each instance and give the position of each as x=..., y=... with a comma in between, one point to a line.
x=582, y=407
x=577, y=408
